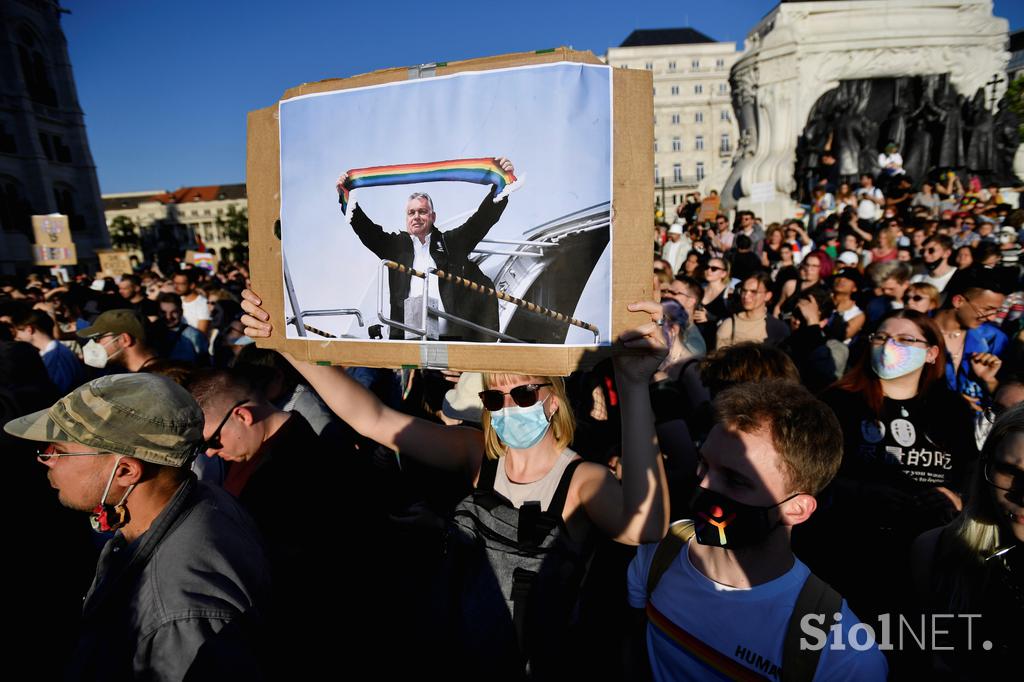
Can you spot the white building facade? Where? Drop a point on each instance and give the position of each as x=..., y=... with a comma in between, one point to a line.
x=695, y=132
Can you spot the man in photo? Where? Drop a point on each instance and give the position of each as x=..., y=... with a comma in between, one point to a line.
x=423, y=246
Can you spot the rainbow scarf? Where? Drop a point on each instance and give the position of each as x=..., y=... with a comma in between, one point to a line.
x=484, y=171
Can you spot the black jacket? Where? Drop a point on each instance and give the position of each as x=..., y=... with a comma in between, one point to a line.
x=450, y=251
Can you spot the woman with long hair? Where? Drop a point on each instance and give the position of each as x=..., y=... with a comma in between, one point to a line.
x=522, y=455
x=975, y=564
x=886, y=243
x=908, y=450
x=714, y=306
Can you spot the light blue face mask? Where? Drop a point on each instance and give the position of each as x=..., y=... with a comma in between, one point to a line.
x=520, y=427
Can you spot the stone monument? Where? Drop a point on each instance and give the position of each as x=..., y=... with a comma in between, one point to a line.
x=841, y=76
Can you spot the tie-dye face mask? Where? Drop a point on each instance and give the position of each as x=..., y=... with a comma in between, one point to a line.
x=891, y=361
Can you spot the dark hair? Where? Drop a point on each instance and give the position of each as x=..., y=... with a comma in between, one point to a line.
x=134, y=279
x=169, y=297
x=762, y=278
x=944, y=242
x=33, y=317
x=822, y=298
x=862, y=379
x=745, y=362
x=692, y=284
x=190, y=273
x=743, y=242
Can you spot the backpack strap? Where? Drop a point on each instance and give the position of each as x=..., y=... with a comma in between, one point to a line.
x=562, y=491
x=488, y=472
x=818, y=597
x=679, y=533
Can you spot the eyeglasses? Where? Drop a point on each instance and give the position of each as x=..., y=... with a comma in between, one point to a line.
x=916, y=298
x=932, y=250
x=991, y=312
x=213, y=442
x=805, y=264
x=901, y=340
x=684, y=294
x=714, y=268
x=523, y=396
x=1004, y=476
x=48, y=453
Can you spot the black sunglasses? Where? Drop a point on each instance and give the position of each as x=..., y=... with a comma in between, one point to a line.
x=523, y=396
x=213, y=442
x=913, y=297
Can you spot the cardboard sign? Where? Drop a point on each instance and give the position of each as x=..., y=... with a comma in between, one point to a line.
x=529, y=286
x=54, y=255
x=61, y=274
x=202, y=259
x=114, y=263
x=709, y=208
x=51, y=230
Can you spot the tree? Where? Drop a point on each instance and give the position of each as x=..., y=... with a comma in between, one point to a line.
x=235, y=224
x=123, y=234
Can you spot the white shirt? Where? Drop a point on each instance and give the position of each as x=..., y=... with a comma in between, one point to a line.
x=894, y=159
x=937, y=282
x=423, y=262
x=744, y=625
x=195, y=311
x=866, y=208
x=675, y=253
x=50, y=347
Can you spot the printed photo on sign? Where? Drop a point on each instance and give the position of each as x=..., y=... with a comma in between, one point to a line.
x=472, y=208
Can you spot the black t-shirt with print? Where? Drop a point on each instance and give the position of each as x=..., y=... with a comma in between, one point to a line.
x=923, y=441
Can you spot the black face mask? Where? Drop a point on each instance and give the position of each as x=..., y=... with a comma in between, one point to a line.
x=931, y=267
x=720, y=521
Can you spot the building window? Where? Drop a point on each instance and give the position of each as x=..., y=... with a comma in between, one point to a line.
x=655, y=91
x=698, y=89
x=657, y=179
x=671, y=66
x=15, y=213
x=677, y=172
x=723, y=88
x=675, y=89
x=695, y=64
x=724, y=116
x=726, y=145
x=677, y=145
x=698, y=117
x=700, y=171
x=698, y=143
x=655, y=145
x=64, y=197
x=649, y=66
x=34, y=68
x=719, y=63
x=675, y=119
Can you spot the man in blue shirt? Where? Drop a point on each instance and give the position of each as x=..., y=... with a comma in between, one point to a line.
x=183, y=342
x=65, y=369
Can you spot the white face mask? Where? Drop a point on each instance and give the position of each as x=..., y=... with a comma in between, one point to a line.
x=95, y=354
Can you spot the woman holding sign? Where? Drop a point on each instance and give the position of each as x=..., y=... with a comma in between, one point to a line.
x=518, y=545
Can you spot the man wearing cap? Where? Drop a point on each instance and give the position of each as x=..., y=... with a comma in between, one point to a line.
x=676, y=247
x=117, y=338
x=180, y=587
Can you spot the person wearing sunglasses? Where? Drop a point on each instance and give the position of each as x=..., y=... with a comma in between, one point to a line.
x=184, y=561
x=714, y=301
x=813, y=270
x=908, y=448
x=922, y=297
x=975, y=565
x=936, y=255
x=522, y=455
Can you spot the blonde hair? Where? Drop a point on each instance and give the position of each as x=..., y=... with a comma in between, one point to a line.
x=925, y=289
x=563, y=425
x=975, y=534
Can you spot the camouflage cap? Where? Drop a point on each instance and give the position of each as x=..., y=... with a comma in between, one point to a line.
x=120, y=321
x=139, y=415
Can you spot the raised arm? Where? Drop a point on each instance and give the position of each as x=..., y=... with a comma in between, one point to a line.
x=636, y=511
x=447, y=447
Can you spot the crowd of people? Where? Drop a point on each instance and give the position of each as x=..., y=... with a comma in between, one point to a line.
x=815, y=433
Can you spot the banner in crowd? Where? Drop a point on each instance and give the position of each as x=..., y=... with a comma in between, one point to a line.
x=52, y=241
x=466, y=222
x=204, y=260
x=114, y=263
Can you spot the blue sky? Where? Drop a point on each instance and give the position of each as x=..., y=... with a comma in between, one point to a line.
x=166, y=86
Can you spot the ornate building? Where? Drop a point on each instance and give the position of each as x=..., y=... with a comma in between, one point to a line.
x=45, y=162
x=695, y=133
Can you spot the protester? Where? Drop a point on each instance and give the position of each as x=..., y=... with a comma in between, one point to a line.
x=752, y=322
x=36, y=327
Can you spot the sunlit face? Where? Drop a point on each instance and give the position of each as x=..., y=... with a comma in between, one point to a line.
x=715, y=272
x=236, y=441
x=544, y=394
x=933, y=252
x=681, y=294
x=894, y=289
x=753, y=295
x=79, y=480
x=975, y=311
x=964, y=258
x=810, y=269
x=419, y=218
x=743, y=466
x=916, y=300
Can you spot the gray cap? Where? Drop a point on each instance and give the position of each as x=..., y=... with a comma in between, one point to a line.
x=142, y=415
